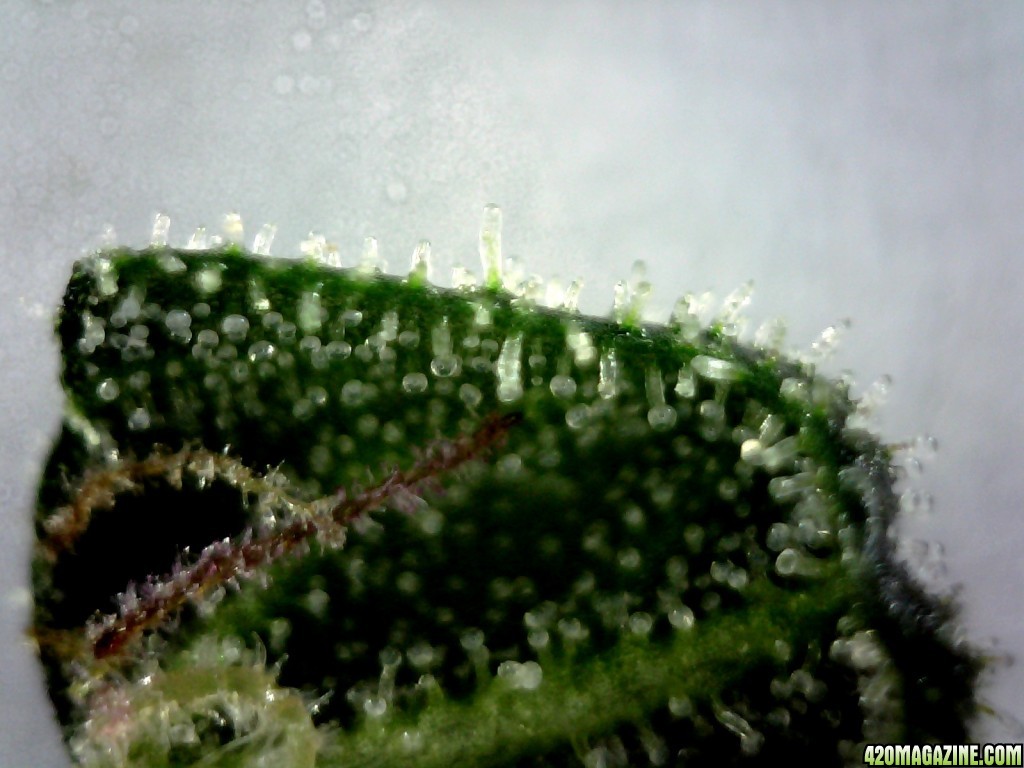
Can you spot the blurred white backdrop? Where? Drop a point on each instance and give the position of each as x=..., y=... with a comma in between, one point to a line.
x=859, y=161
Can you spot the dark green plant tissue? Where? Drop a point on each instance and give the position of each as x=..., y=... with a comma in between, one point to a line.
x=302, y=514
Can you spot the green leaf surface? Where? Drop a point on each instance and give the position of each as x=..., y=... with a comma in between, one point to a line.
x=679, y=554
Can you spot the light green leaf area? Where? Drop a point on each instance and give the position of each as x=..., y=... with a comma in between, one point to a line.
x=678, y=555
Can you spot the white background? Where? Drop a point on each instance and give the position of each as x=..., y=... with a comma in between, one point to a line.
x=859, y=160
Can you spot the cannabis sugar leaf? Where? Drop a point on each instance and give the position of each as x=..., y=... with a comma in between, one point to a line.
x=306, y=515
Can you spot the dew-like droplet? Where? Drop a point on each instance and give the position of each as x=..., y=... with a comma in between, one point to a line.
x=409, y=338
x=513, y=275
x=261, y=351
x=338, y=350
x=232, y=228
x=490, y=246
x=730, y=315
x=390, y=657
x=680, y=706
x=676, y=568
x=572, y=630
x=827, y=343
x=310, y=313
x=779, y=537
x=444, y=363
x=235, y=327
x=422, y=655
x=792, y=562
x=419, y=270
x=631, y=295
x=470, y=395
x=770, y=335
x=198, y=240
x=582, y=345
x=686, y=316
x=352, y=392
x=541, y=617
x=472, y=640
x=771, y=429
x=538, y=639
x=375, y=706
x=752, y=451
x=209, y=279
x=660, y=415
x=258, y=300
x=414, y=383
x=681, y=618
x=686, y=383
x=508, y=369
x=563, y=387
x=640, y=623
x=554, y=293
x=107, y=390
x=138, y=420
x=463, y=279
x=312, y=247
x=370, y=262
x=264, y=239
x=712, y=415
x=714, y=369
x=571, y=297
x=750, y=739
x=93, y=333
x=161, y=227
x=795, y=390
x=608, y=377
x=526, y=676
x=630, y=559
x=178, y=322
x=790, y=488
